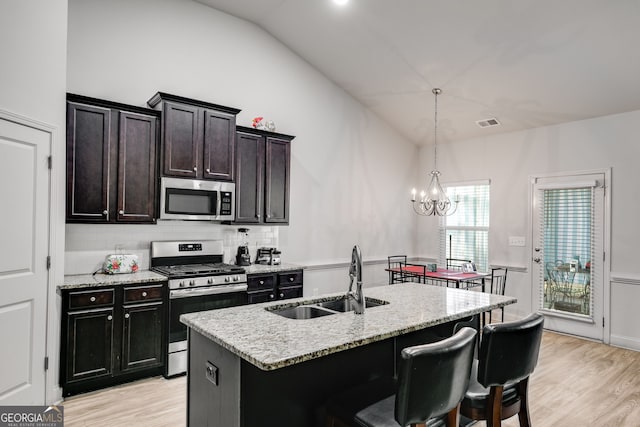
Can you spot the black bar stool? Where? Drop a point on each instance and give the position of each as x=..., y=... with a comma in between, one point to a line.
x=431, y=383
x=499, y=381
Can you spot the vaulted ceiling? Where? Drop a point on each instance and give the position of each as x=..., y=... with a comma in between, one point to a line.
x=527, y=63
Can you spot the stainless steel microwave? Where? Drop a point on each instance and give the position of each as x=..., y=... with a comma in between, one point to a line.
x=197, y=200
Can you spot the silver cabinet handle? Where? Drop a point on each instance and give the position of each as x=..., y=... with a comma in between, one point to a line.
x=262, y=282
x=126, y=315
x=144, y=294
x=281, y=294
x=109, y=317
x=195, y=169
x=92, y=299
x=105, y=212
x=121, y=212
x=291, y=279
x=208, y=170
x=272, y=296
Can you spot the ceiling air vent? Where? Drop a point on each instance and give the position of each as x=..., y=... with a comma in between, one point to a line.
x=486, y=123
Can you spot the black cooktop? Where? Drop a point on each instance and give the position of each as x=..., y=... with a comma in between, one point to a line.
x=192, y=270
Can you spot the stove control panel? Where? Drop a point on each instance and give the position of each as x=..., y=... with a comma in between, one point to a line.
x=208, y=281
x=189, y=247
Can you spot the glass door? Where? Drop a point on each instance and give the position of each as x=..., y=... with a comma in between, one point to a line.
x=568, y=236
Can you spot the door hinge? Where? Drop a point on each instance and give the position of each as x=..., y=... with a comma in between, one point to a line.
x=46, y=363
x=603, y=322
x=604, y=256
x=50, y=161
x=48, y=262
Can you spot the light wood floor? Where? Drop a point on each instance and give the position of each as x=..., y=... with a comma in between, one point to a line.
x=577, y=383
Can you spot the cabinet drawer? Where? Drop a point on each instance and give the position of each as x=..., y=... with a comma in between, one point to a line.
x=84, y=299
x=143, y=293
x=290, y=278
x=289, y=292
x=261, y=282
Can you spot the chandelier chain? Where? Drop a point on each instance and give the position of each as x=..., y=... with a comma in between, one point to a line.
x=436, y=92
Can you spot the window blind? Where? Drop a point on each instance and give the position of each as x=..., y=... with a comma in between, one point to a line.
x=465, y=234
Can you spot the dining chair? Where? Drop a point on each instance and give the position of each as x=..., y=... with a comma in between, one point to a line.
x=456, y=263
x=417, y=274
x=497, y=285
x=508, y=355
x=396, y=261
x=431, y=382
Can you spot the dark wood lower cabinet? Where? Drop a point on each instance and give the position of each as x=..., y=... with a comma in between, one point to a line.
x=112, y=335
x=142, y=336
x=274, y=286
x=89, y=344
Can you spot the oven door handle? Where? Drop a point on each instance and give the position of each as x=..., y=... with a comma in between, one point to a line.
x=210, y=290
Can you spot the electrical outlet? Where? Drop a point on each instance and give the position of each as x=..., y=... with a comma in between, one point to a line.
x=212, y=373
x=517, y=241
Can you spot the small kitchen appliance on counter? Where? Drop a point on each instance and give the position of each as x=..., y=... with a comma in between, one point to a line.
x=242, y=257
x=264, y=256
x=275, y=257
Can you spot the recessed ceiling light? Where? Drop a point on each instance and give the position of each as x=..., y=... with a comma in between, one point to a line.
x=341, y=2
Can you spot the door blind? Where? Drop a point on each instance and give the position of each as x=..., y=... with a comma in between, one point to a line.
x=568, y=235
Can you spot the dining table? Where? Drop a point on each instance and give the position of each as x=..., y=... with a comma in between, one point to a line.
x=457, y=277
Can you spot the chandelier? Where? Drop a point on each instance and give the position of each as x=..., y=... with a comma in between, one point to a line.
x=434, y=201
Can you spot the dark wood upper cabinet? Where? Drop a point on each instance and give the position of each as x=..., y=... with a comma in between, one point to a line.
x=198, y=138
x=276, y=188
x=250, y=151
x=111, y=161
x=263, y=175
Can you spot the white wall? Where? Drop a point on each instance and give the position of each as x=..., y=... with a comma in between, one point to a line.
x=510, y=159
x=33, y=85
x=348, y=169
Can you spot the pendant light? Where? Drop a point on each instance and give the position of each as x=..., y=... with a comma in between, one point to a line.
x=434, y=201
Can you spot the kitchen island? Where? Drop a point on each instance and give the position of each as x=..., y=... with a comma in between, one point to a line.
x=251, y=366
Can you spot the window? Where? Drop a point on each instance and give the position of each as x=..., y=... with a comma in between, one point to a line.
x=465, y=234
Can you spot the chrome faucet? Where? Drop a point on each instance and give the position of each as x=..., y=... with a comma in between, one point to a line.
x=355, y=273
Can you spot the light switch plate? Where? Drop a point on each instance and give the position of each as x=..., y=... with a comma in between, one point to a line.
x=517, y=241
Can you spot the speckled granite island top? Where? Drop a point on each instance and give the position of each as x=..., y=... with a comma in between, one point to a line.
x=79, y=281
x=270, y=341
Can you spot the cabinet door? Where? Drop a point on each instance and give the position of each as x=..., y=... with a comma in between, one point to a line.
x=182, y=140
x=276, y=201
x=219, y=145
x=89, y=344
x=136, y=168
x=142, y=336
x=249, y=177
x=88, y=147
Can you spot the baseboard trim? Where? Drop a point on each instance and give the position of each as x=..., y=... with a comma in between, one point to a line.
x=629, y=343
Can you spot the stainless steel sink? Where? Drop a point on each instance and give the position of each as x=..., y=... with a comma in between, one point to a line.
x=304, y=312
x=345, y=304
x=324, y=308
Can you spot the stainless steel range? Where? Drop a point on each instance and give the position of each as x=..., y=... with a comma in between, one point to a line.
x=198, y=281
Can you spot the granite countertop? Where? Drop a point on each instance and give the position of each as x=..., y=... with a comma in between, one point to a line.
x=79, y=281
x=270, y=341
x=260, y=268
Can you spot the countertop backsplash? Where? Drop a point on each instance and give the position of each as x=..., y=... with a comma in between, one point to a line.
x=87, y=245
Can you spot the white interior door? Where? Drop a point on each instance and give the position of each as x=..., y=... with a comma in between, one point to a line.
x=568, y=252
x=24, y=227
